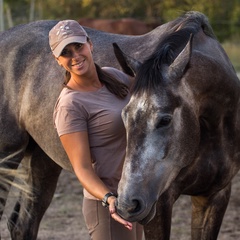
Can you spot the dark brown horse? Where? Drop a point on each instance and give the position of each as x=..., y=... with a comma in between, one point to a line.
x=128, y=26
x=183, y=132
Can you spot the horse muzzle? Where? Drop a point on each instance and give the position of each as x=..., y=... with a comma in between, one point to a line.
x=135, y=210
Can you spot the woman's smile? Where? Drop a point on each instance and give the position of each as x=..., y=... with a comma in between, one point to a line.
x=79, y=64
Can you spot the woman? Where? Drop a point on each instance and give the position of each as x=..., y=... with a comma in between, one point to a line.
x=88, y=120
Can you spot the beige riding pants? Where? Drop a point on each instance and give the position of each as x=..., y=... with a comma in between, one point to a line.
x=102, y=226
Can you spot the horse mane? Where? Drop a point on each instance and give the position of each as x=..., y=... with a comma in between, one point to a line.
x=149, y=76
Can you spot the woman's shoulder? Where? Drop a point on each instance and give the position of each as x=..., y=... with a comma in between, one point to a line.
x=118, y=74
x=67, y=94
x=68, y=98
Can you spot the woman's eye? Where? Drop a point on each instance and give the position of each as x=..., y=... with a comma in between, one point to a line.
x=68, y=51
x=79, y=45
x=64, y=53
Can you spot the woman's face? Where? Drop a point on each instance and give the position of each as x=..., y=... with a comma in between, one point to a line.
x=77, y=58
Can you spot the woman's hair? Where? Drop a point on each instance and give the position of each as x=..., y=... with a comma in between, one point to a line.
x=113, y=85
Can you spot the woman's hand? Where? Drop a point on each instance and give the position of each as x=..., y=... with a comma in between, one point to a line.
x=115, y=216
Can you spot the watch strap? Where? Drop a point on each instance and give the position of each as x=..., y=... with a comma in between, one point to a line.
x=105, y=198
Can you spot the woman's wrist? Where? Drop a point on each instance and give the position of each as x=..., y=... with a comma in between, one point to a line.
x=105, y=198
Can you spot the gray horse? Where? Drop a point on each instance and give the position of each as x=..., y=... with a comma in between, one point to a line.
x=183, y=133
x=30, y=81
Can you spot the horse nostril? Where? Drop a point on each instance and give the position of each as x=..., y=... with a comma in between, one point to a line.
x=136, y=206
x=129, y=208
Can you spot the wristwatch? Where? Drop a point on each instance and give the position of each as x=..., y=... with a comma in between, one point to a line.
x=105, y=198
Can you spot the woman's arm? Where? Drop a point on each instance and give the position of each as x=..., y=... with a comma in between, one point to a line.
x=77, y=148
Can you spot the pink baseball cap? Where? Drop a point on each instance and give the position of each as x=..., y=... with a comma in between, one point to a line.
x=64, y=33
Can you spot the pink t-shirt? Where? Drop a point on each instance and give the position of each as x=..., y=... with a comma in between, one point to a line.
x=98, y=113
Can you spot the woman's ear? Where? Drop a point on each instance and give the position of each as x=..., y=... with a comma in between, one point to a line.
x=91, y=45
x=58, y=61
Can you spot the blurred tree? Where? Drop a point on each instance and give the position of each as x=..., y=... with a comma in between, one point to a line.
x=219, y=14
x=32, y=10
x=235, y=20
x=1, y=16
x=223, y=15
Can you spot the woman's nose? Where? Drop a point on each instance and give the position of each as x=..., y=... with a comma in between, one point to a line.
x=75, y=54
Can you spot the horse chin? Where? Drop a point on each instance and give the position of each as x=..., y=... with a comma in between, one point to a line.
x=150, y=215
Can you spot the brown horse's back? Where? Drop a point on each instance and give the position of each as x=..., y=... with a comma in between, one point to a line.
x=127, y=26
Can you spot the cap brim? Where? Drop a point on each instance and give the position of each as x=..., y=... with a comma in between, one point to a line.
x=78, y=39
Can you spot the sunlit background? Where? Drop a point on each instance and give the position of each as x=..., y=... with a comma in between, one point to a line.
x=223, y=15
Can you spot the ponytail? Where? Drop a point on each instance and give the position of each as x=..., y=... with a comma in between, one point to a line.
x=113, y=85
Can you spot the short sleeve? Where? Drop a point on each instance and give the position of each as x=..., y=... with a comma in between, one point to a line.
x=120, y=75
x=69, y=121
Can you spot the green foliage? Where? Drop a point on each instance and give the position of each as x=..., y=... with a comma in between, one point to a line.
x=223, y=15
x=232, y=49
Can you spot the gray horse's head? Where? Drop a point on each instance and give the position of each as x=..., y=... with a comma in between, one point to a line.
x=159, y=141
x=178, y=121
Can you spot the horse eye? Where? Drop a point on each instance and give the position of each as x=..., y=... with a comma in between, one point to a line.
x=164, y=121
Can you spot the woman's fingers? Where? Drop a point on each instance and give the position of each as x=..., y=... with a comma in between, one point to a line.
x=115, y=216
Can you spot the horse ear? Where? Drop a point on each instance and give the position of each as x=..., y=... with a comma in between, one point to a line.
x=128, y=64
x=177, y=68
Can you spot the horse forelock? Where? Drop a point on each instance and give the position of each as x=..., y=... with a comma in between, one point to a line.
x=150, y=75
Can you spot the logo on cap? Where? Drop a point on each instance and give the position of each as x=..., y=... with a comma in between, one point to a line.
x=63, y=31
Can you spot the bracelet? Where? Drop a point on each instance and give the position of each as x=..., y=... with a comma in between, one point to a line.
x=105, y=198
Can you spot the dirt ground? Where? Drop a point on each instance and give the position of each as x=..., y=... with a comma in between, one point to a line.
x=63, y=219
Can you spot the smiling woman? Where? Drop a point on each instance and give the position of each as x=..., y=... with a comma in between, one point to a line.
x=88, y=120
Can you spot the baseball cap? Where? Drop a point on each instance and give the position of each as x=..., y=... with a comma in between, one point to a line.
x=64, y=33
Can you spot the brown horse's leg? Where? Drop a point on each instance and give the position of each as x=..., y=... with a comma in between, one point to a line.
x=160, y=226
x=26, y=217
x=208, y=213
